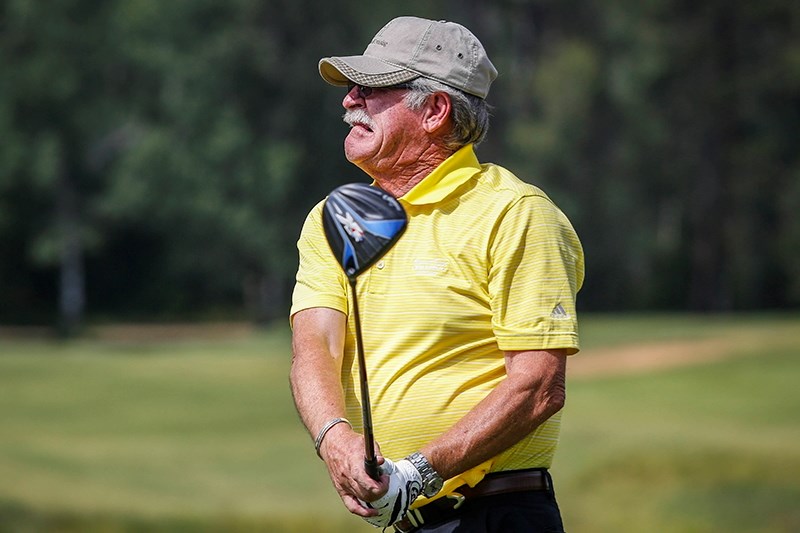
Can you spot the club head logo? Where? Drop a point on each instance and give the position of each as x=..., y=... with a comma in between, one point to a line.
x=351, y=226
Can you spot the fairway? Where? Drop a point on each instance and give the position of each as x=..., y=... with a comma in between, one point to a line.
x=695, y=429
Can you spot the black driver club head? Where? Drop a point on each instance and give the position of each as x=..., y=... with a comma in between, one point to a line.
x=362, y=222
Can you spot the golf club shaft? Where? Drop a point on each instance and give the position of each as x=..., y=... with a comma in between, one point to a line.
x=370, y=462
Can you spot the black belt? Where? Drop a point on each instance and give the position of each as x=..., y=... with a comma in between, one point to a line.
x=493, y=484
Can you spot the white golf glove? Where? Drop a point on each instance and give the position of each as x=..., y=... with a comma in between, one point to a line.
x=405, y=484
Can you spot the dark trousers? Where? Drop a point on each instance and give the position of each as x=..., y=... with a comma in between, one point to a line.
x=519, y=512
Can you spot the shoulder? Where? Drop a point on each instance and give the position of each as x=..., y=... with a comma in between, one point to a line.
x=508, y=189
x=314, y=217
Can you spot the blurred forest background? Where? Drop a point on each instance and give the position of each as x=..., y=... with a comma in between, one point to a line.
x=157, y=158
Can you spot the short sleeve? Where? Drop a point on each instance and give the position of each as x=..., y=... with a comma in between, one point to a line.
x=320, y=281
x=536, y=269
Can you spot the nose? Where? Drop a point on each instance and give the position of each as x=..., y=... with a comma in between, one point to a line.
x=353, y=98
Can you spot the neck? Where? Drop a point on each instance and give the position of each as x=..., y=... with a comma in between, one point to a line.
x=401, y=177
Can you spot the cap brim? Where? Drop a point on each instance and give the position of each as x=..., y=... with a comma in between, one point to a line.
x=363, y=70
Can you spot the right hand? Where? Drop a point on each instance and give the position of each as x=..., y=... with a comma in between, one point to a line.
x=343, y=453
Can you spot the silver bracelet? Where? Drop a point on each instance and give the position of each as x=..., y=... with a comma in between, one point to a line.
x=325, y=430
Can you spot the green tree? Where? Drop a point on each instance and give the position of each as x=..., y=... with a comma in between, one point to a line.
x=57, y=107
x=668, y=131
x=158, y=157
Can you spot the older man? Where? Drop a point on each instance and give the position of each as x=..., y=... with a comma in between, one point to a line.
x=467, y=321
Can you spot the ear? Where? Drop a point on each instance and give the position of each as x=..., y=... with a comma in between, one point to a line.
x=436, y=113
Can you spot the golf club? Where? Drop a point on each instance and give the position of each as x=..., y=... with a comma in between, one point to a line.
x=362, y=222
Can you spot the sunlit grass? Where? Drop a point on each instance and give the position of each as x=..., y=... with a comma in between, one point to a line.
x=601, y=330
x=697, y=449
x=125, y=434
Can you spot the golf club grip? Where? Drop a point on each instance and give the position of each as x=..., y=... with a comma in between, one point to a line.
x=371, y=466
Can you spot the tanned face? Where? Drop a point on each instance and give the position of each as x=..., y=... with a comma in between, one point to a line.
x=384, y=132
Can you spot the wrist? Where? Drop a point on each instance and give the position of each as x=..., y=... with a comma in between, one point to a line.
x=325, y=429
x=431, y=480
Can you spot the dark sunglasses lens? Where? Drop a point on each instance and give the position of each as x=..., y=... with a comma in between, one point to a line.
x=362, y=90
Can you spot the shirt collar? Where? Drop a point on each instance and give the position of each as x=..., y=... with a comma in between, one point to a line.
x=446, y=178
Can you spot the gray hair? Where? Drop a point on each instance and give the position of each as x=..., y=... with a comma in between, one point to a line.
x=470, y=114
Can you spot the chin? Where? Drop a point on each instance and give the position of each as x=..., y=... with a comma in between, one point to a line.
x=353, y=152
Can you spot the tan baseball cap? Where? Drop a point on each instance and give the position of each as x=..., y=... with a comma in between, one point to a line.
x=410, y=47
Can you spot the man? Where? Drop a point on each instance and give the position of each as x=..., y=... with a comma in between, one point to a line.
x=467, y=322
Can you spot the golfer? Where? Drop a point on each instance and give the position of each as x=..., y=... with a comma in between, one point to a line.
x=467, y=321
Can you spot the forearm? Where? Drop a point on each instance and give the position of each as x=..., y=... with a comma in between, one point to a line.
x=532, y=392
x=317, y=351
x=316, y=390
x=314, y=376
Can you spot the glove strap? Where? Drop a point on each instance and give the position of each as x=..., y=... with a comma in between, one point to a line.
x=322, y=432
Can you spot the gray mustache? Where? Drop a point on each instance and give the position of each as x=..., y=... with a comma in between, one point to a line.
x=358, y=116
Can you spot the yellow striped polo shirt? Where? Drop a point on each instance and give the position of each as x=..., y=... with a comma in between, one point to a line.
x=487, y=264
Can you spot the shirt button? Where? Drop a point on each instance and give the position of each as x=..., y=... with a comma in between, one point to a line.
x=380, y=264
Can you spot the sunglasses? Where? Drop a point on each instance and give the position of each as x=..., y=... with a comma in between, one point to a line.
x=364, y=91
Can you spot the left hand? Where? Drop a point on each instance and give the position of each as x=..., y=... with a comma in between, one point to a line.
x=405, y=484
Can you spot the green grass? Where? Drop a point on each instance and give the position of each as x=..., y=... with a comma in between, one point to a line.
x=201, y=436
x=699, y=449
x=602, y=330
x=152, y=432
